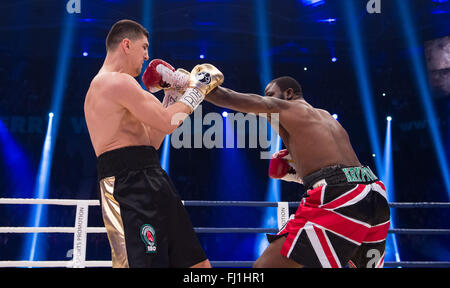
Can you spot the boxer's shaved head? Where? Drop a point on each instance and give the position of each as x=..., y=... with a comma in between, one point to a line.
x=286, y=82
x=286, y=88
x=124, y=29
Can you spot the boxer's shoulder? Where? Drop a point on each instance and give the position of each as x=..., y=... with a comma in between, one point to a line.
x=112, y=84
x=296, y=108
x=112, y=79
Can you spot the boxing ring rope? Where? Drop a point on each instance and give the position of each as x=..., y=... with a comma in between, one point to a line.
x=80, y=231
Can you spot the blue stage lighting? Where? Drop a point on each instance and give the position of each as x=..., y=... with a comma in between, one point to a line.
x=419, y=68
x=224, y=114
x=59, y=85
x=85, y=53
x=273, y=194
x=334, y=59
x=20, y=174
x=313, y=3
x=263, y=45
x=165, y=155
x=202, y=56
x=41, y=191
x=391, y=252
x=329, y=20
x=273, y=190
x=88, y=20
x=51, y=114
x=147, y=14
x=364, y=85
x=335, y=116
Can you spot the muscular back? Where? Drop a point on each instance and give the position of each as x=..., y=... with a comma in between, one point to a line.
x=110, y=124
x=314, y=138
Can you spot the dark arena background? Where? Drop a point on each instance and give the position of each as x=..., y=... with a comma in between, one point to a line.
x=382, y=68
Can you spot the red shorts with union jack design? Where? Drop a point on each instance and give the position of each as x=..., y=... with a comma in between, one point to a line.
x=342, y=221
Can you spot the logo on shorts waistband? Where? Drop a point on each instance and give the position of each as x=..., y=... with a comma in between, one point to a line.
x=149, y=238
x=359, y=174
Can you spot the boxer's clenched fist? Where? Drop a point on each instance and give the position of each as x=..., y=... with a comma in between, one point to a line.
x=161, y=75
x=281, y=167
x=203, y=78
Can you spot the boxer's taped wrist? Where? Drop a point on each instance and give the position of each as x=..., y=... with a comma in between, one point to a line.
x=171, y=96
x=192, y=98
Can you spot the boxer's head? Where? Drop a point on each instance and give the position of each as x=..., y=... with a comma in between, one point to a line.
x=129, y=38
x=285, y=88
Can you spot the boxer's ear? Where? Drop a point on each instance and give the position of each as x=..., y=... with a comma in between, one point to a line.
x=289, y=94
x=126, y=45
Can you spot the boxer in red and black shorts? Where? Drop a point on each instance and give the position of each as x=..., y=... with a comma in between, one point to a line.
x=342, y=220
x=344, y=217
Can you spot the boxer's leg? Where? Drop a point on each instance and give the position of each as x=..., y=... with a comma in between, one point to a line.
x=185, y=248
x=272, y=258
x=203, y=264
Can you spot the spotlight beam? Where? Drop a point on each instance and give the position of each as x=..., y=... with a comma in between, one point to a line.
x=273, y=194
x=388, y=180
x=263, y=45
x=419, y=69
x=41, y=187
x=273, y=189
x=165, y=154
x=59, y=86
x=147, y=9
x=364, y=85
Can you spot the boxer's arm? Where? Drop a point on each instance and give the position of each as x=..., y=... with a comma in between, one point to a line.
x=144, y=106
x=245, y=102
x=156, y=136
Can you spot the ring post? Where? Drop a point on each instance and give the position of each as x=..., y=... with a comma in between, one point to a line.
x=80, y=236
x=282, y=214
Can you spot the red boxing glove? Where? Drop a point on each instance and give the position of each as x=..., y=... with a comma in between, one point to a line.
x=153, y=75
x=281, y=167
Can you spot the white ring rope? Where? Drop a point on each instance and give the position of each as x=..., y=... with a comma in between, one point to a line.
x=80, y=231
x=53, y=264
x=65, y=202
x=49, y=230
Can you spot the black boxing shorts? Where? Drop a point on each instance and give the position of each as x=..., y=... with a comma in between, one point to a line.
x=342, y=221
x=146, y=222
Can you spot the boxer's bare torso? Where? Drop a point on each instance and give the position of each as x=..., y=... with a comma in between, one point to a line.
x=312, y=136
x=110, y=124
x=118, y=112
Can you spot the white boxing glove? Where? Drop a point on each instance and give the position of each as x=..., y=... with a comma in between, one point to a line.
x=180, y=81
